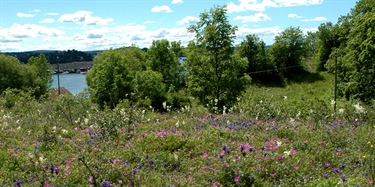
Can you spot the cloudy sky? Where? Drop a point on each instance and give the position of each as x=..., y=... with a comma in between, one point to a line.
x=101, y=24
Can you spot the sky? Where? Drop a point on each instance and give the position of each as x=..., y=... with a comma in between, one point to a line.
x=86, y=25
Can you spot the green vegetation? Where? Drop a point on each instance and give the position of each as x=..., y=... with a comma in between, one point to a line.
x=276, y=135
x=146, y=119
x=34, y=77
x=215, y=73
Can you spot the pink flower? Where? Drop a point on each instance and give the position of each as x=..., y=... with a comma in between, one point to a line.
x=205, y=155
x=236, y=179
x=226, y=165
x=119, y=181
x=273, y=174
x=370, y=181
x=292, y=151
x=328, y=164
x=279, y=158
x=90, y=179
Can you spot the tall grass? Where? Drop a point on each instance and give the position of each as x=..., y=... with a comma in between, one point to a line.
x=276, y=135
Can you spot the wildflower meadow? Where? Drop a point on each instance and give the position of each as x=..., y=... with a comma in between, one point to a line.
x=272, y=136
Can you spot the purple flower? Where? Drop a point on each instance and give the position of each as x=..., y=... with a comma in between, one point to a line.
x=326, y=175
x=106, y=184
x=226, y=148
x=134, y=171
x=279, y=158
x=18, y=183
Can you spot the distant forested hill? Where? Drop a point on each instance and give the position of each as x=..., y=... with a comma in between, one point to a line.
x=56, y=56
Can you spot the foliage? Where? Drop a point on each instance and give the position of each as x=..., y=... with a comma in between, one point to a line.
x=254, y=50
x=356, y=71
x=214, y=71
x=328, y=40
x=161, y=57
x=35, y=77
x=149, y=85
x=112, y=77
x=288, y=50
x=43, y=79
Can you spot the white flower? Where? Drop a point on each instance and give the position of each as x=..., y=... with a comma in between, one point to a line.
x=164, y=105
x=278, y=143
x=287, y=153
x=86, y=121
x=359, y=108
x=341, y=111
x=42, y=159
x=64, y=131
x=333, y=102
x=285, y=97
x=177, y=124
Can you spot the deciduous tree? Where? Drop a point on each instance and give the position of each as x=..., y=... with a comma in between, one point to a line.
x=214, y=71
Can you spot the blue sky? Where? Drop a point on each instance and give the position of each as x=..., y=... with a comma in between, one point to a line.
x=96, y=25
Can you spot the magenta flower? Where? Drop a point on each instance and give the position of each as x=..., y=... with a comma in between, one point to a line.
x=236, y=179
x=328, y=164
x=279, y=158
x=204, y=155
x=273, y=174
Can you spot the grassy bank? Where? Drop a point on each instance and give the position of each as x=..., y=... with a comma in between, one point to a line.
x=276, y=135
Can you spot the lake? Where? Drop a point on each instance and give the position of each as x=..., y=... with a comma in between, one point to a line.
x=74, y=82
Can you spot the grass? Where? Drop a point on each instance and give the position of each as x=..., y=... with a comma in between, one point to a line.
x=276, y=135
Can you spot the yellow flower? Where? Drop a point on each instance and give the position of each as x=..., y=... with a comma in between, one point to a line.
x=372, y=146
x=368, y=142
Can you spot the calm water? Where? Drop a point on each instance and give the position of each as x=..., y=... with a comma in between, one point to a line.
x=74, y=82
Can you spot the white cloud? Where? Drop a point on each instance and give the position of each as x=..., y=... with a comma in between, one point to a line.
x=17, y=31
x=321, y=18
x=23, y=15
x=188, y=20
x=176, y=1
x=84, y=17
x=47, y=20
x=163, y=8
x=254, y=5
x=294, y=16
x=267, y=34
x=253, y=18
x=52, y=13
x=149, y=22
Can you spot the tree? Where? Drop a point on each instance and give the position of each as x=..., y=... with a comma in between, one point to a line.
x=34, y=78
x=112, y=77
x=11, y=73
x=288, y=50
x=215, y=76
x=43, y=70
x=356, y=68
x=254, y=50
x=161, y=58
x=327, y=41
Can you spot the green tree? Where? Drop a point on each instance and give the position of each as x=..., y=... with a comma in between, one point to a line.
x=288, y=50
x=43, y=80
x=149, y=86
x=112, y=77
x=254, y=50
x=12, y=73
x=162, y=58
x=214, y=71
x=328, y=39
x=356, y=68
